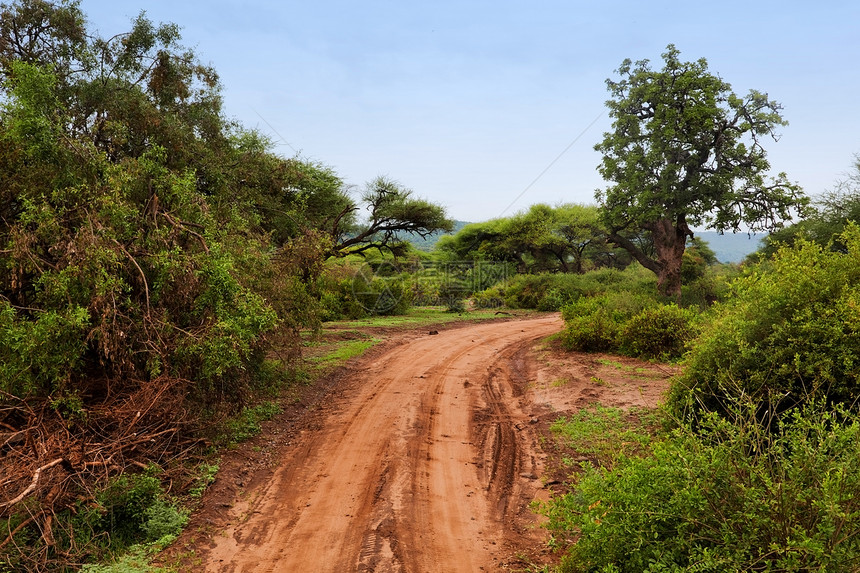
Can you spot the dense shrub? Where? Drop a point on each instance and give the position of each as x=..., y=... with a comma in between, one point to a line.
x=360, y=296
x=662, y=332
x=553, y=291
x=492, y=297
x=792, y=331
x=132, y=508
x=594, y=332
x=527, y=291
x=594, y=324
x=729, y=496
x=386, y=296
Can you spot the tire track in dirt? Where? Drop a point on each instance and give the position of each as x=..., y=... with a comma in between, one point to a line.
x=424, y=464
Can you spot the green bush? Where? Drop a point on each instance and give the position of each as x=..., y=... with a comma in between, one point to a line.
x=350, y=292
x=338, y=301
x=710, y=288
x=388, y=296
x=555, y=298
x=595, y=324
x=493, y=297
x=593, y=331
x=729, y=496
x=552, y=292
x=526, y=291
x=163, y=521
x=662, y=332
x=133, y=508
x=791, y=332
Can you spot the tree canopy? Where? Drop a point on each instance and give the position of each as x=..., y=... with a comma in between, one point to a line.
x=564, y=238
x=392, y=212
x=686, y=151
x=828, y=217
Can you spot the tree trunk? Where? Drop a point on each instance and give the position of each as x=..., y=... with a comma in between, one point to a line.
x=670, y=239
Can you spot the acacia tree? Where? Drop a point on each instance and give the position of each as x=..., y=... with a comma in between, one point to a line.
x=565, y=238
x=392, y=211
x=686, y=151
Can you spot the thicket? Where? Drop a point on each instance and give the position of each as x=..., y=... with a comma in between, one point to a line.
x=760, y=469
x=607, y=310
x=791, y=333
x=157, y=262
x=730, y=495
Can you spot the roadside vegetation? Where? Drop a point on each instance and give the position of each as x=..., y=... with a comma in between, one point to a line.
x=166, y=280
x=753, y=465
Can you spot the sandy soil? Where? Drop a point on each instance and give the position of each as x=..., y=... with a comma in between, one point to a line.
x=422, y=456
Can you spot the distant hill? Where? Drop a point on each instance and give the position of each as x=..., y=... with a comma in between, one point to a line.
x=428, y=243
x=731, y=248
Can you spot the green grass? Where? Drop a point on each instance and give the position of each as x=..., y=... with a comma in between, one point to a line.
x=341, y=352
x=635, y=371
x=419, y=316
x=603, y=434
x=246, y=424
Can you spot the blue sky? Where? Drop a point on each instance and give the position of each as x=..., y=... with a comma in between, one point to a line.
x=467, y=103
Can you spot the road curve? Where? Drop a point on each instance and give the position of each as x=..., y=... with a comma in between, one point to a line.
x=422, y=466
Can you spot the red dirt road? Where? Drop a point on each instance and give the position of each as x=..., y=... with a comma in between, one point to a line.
x=426, y=463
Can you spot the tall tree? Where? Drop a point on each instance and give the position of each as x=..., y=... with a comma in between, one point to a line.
x=686, y=151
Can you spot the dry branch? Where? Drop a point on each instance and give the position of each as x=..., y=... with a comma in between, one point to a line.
x=35, y=481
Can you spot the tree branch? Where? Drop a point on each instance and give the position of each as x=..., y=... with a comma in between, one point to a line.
x=635, y=251
x=32, y=487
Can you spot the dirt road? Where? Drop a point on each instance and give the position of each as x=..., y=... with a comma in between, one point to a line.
x=426, y=463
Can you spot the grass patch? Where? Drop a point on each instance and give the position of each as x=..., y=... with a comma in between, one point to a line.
x=635, y=371
x=604, y=434
x=340, y=352
x=419, y=316
x=246, y=424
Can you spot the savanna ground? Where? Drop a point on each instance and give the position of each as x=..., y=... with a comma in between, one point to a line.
x=418, y=447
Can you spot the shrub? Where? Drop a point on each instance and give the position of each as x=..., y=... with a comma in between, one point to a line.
x=493, y=297
x=790, y=333
x=555, y=298
x=662, y=332
x=356, y=292
x=132, y=508
x=389, y=296
x=593, y=332
x=594, y=324
x=338, y=302
x=526, y=291
x=729, y=496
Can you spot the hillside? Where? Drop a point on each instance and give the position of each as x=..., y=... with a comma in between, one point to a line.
x=427, y=244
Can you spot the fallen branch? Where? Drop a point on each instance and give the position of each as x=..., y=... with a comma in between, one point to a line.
x=32, y=487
